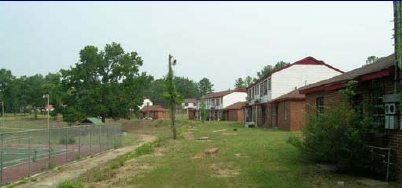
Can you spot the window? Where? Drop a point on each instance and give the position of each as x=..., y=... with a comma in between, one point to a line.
x=257, y=89
x=376, y=106
x=252, y=92
x=265, y=87
x=319, y=105
x=269, y=84
x=185, y=104
x=261, y=89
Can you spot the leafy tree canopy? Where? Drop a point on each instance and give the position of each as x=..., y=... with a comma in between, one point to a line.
x=205, y=86
x=104, y=83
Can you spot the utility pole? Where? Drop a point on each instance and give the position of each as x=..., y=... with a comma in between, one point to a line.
x=397, y=5
x=2, y=113
x=48, y=124
x=172, y=94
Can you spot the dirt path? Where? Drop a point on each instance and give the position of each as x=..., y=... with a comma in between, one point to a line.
x=74, y=170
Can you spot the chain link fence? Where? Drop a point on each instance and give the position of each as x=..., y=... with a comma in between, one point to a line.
x=23, y=154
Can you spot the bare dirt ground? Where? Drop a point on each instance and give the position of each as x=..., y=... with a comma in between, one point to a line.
x=74, y=170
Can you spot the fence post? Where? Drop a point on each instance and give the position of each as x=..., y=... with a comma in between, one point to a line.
x=67, y=140
x=49, y=162
x=90, y=140
x=114, y=137
x=100, y=137
x=1, y=158
x=79, y=140
x=29, y=152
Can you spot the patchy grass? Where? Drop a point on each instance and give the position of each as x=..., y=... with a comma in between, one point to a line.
x=107, y=171
x=247, y=157
x=70, y=184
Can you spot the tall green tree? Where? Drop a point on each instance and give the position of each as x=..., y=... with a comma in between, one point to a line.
x=243, y=83
x=34, y=91
x=54, y=88
x=269, y=68
x=239, y=84
x=371, y=59
x=155, y=92
x=186, y=87
x=104, y=83
x=248, y=81
x=6, y=93
x=205, y=86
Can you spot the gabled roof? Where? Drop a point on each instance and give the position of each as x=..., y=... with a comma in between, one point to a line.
x=153, y=108
x=306, y=61
x=236, y=106
x=291, y=96
x=92, y=120
x=221, y=93
x=190, y=101
x=380, y=68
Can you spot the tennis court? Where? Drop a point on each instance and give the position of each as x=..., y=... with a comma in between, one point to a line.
x=14, y=156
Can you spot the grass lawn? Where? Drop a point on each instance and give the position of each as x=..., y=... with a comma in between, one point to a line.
x=251, y=157
x=12, y=123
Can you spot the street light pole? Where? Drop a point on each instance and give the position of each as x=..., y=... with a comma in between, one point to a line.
x=2, y=113
x=48, y=125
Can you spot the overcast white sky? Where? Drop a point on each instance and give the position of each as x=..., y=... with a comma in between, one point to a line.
x=218, y=40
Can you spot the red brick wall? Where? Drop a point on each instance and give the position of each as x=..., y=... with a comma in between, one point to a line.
x=391, y=138
x=235, y=115
x=394, y=141
x=297, y=113
x=331, y=98
x=191, y=114
x=283, y=119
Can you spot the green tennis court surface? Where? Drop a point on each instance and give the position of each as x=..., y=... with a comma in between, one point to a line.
x=13, y=156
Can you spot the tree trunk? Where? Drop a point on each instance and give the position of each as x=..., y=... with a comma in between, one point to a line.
x=103, y=119
x=35, y=113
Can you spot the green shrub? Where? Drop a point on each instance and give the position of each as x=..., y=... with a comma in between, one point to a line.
x=65, y=140
x=70, y=184
x=338, y=136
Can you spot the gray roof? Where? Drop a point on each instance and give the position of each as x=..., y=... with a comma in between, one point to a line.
x=379, y=65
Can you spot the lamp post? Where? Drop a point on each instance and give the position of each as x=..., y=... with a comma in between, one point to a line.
x=2, y=113
x=173, y=96
x=48, y=124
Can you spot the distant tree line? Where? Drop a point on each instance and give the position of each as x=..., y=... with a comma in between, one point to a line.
x=104, y=83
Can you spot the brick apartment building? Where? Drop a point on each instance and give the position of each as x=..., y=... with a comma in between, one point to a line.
x=375, y=91
x=272, y=86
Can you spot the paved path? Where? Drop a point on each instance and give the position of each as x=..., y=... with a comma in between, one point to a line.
x=75, y=169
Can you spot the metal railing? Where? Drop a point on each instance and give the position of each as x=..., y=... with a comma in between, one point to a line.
x=25, y=153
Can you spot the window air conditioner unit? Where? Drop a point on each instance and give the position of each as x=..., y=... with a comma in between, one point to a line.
x=391, y=110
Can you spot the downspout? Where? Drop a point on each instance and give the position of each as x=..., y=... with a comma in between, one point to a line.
x=397, y=39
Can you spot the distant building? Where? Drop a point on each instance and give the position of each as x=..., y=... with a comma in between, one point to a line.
x=189, y=104
x=217, y=102
x=154, y=112
x=287, y=111
x=280, y=82
x=146, y=102
x=92, y=120
x=234, y=112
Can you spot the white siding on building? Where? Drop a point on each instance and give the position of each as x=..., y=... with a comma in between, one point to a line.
x=233, y=98
x=286, y=80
